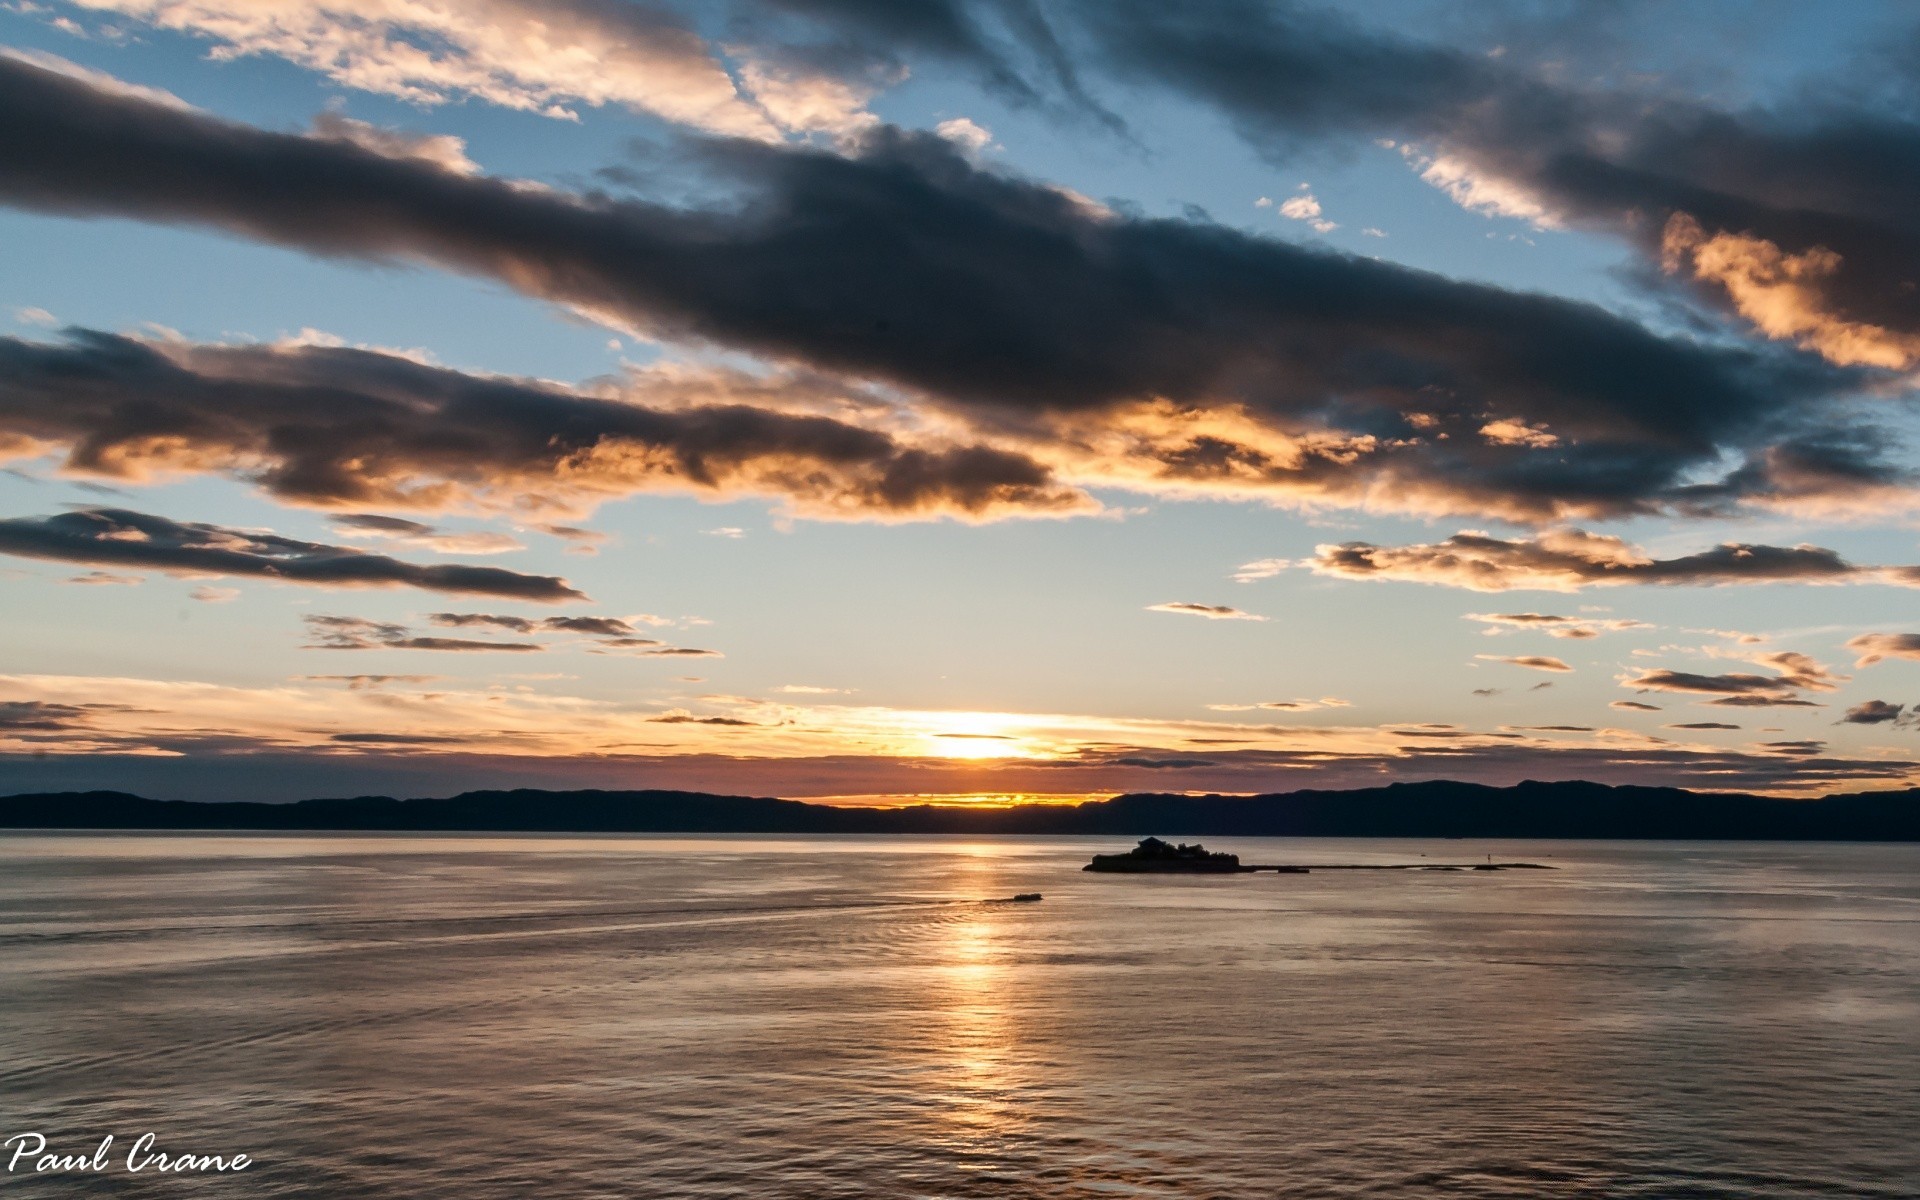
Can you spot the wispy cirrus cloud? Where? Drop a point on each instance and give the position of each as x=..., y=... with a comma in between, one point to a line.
x=1537, y=662
x=1283, y=705
x=359, y=633
x=550, y=57
x=1576, y=628
x=1212, y=612
x=424, y=536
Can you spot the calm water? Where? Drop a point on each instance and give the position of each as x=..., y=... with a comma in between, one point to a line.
x=485, y=1017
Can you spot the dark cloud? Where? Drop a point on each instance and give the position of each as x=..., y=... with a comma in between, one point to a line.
x=1011, y=46
x=1874, y=712
x=1633, y=706
x=40, y=716
x=358, y=633
x=1793, y=748
x=1569, y=559
x=1701, y=725
x=334, y=426
x=379, y=524
x=122, y=538
x=1795, y=673
x=904, y=262
x=484, y=621
x=598, y=626
x=1803, y=219
x=1718, y=685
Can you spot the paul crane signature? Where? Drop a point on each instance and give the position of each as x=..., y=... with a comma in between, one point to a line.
x=30, y=1155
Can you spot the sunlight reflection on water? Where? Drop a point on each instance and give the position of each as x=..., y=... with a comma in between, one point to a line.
x=488, y=1016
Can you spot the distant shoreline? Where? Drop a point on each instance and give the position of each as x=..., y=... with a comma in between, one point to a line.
x=1437, y=809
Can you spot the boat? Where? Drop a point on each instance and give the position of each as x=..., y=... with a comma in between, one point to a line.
x=1154, y=855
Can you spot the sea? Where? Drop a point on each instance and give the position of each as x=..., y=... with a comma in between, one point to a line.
x=471, y=1017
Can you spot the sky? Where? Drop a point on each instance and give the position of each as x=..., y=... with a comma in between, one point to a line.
x=953, y=400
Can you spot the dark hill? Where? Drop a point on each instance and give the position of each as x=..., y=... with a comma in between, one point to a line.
x=1434, y=809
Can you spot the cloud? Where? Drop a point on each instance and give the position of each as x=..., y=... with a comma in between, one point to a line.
x=416, y=533
x=1566, y=560
x=965, y=133
x=1872, y=647
x=1795, y=672
x=545, y=57
x=1793, y=748
x=288, y=733
x=120, y=537
x=1154, y=354
x=1874, y=712
x=608, y=627
x=215, y=595
x=1798, y=219
x=1508, y=432
x=1783, y=294
x=678, y=652
x=1283, y=705
x=444, y=151
x=585, y=541
x=358, y=633
x=1304, y=207
x=339, y=427
x=1578, y=628
x=1633, y=706
x=682, y=717
x=1539, y=662
x=105, y=579
x=18, y=717
x=593, y=626
x=1701, y=725
x=1213, y=612
x=1265, y=568
x=360, y=683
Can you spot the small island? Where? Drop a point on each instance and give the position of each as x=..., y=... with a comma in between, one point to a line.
x=1152, y=854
